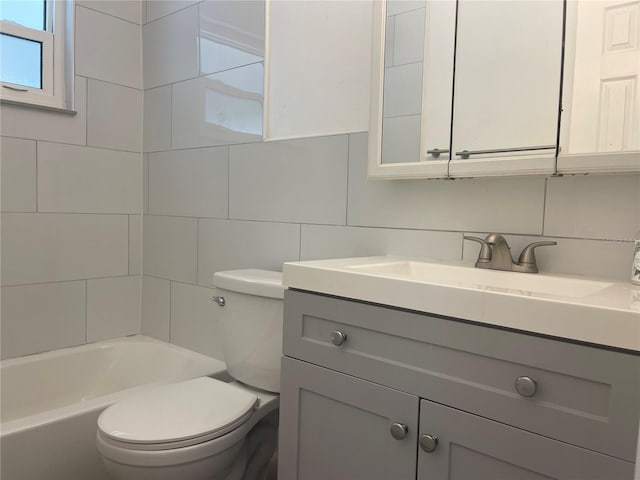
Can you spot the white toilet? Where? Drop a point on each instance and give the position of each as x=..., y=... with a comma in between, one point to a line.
x=206, y=428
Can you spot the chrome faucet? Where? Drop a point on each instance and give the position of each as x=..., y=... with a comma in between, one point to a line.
x=495, y=254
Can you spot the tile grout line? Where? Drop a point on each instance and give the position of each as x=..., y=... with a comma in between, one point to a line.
x=109, y=82
x=86, y=311
x=80, y=145
x=37, y=163
x=84, y=5
x=544, y=205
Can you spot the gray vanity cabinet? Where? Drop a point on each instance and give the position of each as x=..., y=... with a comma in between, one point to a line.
x=336, y=427
x=470, y=447
x=503, y=404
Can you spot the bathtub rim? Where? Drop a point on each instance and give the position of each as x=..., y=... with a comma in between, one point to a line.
x=210, y=367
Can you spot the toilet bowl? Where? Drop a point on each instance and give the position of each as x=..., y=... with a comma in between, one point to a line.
x=206, y=428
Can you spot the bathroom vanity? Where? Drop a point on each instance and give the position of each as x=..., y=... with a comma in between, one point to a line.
x=401, y=369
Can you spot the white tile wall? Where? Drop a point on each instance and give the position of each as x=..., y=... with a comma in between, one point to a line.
x=229, y=244
x=443, y=205
x=18, y=175
x=108, y=48
x=170, y=248
x=129, y=10
x=194, y=320
x=36, y=318
x=409, y=37
x=324, y=241
x=156, y=304
x=594, y=258
x=170, y=46
x=394, y=7
x=135, y=244
x=157, y=119
x=220, y=109
x=290, y=181
x=113, y=307
x=595, y=206
x=53, y=247
x=16, y=121
x=114, y=117
x=231, y=34
x=160, y=8
x=403, y=90
x=189, y=182
x=87, y=180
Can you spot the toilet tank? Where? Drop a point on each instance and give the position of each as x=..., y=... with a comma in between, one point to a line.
x=251, y=325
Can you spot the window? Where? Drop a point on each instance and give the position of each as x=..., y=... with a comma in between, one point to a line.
x=36, y=52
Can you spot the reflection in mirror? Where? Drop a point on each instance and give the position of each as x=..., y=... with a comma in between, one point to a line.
x=403, y=66
x=603, y=113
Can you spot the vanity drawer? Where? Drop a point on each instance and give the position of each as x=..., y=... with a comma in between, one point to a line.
x=583, y=395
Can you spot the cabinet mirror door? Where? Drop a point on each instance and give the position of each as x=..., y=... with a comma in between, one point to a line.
x=411, y=102
x=601, y=102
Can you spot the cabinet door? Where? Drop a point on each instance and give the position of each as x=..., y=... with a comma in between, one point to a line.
x=333, y=426
x=474, y=448
x=507, y=87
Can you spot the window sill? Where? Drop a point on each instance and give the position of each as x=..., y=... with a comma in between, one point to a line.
x=34, y=106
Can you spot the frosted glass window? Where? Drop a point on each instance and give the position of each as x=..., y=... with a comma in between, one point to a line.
x=20, y=61
x=29, y=13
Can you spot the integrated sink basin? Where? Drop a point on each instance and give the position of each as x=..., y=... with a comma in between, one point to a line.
x=474, y=278
x=568, y=307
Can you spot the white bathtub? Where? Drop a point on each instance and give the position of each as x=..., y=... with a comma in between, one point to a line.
x=50, y=402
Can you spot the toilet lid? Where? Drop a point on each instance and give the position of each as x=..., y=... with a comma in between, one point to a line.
x=180, y=411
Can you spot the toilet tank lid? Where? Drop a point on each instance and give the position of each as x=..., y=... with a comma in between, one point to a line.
x=263, y=283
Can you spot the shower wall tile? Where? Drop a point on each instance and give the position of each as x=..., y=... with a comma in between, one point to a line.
x=130, y=10
x=161, y=8
x=194, y=320
x=18, y=175
x=108, y=48
x=156, y=304
x=16, y=121
x=325, y=241
x=231, y=34
x=56, y=311
x=594, y=206
x=511, y=205
x=170, y=248
x=220, y=109
x=113, y=307
x=170, y=46
x=189, y=183
x=290, y=181
x=40, y=247
x=114, y=117
x=135, y=244
x=231, y=244
x=88, y=180
x=157, y=119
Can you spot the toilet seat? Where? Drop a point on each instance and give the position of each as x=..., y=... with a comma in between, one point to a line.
x=176, y=415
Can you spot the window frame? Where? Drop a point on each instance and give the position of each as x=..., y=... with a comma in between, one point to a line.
x=57, y=60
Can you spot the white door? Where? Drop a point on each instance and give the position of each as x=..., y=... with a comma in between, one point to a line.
x=605, y=104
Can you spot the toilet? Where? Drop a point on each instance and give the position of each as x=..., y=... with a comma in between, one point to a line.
x=206, y=428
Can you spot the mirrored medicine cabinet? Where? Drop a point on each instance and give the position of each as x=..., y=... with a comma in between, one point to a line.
x=469, y=89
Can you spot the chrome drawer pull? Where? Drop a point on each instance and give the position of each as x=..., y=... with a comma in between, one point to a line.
x=526, y=386
x=436, y=152
x=467, y=153
x=429, y=443
x=338, y=337
x=398, y=430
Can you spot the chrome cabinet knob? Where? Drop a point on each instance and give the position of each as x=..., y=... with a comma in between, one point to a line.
x=398, y=430
x=219, y=300
x=428, y=443
x=526, y=386
x=338, y=337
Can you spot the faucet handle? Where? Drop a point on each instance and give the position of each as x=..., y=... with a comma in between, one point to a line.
x=528, y=256
x=485, y=249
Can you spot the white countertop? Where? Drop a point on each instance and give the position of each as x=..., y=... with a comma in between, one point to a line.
x=608, y=316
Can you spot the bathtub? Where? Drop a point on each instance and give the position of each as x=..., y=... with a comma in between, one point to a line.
x=50, y=402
